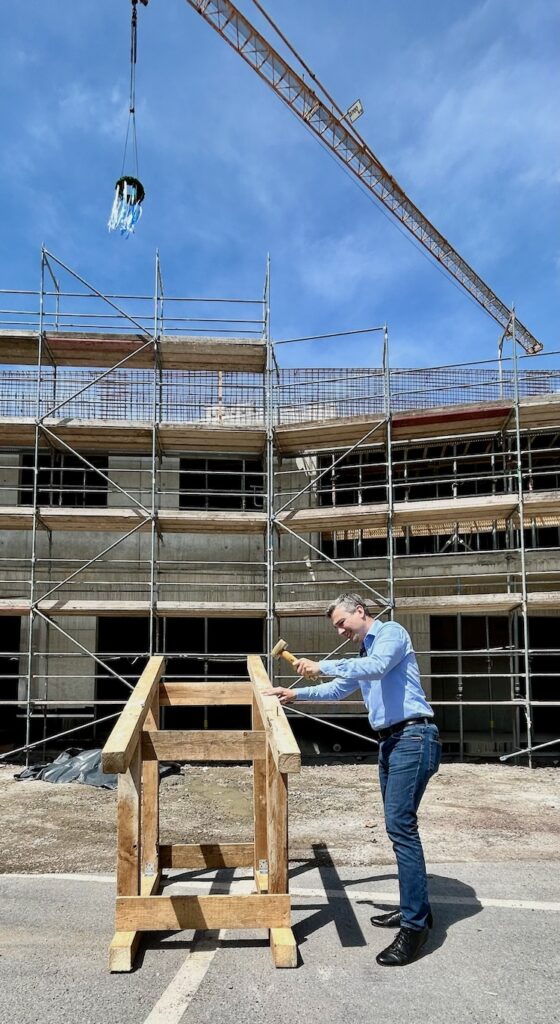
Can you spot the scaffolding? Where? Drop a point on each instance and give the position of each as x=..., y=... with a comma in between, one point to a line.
x=432, y=492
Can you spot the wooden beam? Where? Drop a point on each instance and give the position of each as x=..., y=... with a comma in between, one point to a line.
x=345, y=517
x=429, y=513
x=96, y=348
x=204, y=694
x=490, y=604
x=207, y=855
x=277, y=825
x=119, y=520
x=122, y=435
x=150, y=799
x=119, y=747
x=124, y=945
x=204, y=745
x=172, y=913
x=285, y=750
x=259, y=801
x=283, y=947
x=194, y=521
x=165, y=609
x=128, y=827
x=448, y=604
x=316, y=435
x=261, y=881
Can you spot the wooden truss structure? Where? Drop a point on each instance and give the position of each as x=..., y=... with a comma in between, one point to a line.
x=134, y=750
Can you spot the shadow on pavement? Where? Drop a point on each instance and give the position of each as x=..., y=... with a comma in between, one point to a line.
x=452, y=901
x=337, y=910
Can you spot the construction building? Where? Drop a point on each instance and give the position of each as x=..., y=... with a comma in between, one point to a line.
x=167, y=487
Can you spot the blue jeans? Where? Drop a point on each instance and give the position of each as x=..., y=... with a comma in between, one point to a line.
x=407, y=760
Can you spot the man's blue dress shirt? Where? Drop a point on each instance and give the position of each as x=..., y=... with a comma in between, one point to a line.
x=387, y=674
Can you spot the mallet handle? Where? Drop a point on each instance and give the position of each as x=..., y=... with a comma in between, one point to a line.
x=288, y=656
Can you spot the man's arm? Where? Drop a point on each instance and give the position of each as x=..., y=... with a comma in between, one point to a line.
x=335, y=689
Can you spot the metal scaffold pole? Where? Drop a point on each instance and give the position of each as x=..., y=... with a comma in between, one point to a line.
x=389, y=457
x=269, y=472
x=523, y=566
x=33, y=564
x=155, y=466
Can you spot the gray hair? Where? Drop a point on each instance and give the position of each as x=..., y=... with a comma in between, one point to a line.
x=350, y=603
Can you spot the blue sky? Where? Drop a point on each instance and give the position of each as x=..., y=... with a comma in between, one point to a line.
x=460, y=105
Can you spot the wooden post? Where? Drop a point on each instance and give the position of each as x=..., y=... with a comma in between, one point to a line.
x=282, y=941
x=128, y=828
x=277, y=831
x=259, y=812
x=150, y=801
x=125, y=943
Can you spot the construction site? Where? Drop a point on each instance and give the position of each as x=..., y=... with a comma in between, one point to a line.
x=187, y=509
x=167, y=490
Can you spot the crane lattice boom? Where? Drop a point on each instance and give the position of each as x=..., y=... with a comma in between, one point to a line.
x=326, y=121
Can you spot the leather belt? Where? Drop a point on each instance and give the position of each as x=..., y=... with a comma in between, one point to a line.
x=384, y=733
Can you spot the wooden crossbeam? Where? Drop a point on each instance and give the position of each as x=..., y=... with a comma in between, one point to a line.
x=207, y=745
x=285, y=750
x=178, y=693
x=170, y=913
x=207, y=855
x=119, y=748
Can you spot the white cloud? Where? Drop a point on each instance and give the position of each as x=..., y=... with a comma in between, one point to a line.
x=339, y=267
x=95, y=111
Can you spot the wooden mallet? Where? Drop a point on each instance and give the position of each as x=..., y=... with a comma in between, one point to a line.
x=280, y=650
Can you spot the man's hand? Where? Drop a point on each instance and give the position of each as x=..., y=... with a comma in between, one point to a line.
x=284, y=694
x=307, y=668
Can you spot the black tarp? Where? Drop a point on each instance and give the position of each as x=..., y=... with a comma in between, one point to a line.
x=76, y=765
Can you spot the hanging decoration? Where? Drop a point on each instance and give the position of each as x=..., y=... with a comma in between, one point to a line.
x=129, y=191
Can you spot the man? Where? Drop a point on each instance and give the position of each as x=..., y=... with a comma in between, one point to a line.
x=409, y=750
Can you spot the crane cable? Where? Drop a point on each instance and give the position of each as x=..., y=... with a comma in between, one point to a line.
x=129, y=190
x=132, y=90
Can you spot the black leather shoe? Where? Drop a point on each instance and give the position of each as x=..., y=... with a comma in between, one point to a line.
x=393, y=920
x=390, y=920
x=404, y=948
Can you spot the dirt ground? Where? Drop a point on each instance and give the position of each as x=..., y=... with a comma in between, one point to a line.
x=469, y=813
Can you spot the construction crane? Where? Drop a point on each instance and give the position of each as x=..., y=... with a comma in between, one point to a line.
x=334, y=127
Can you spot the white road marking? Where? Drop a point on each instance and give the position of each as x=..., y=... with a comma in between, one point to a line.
x=172, y=1005
x=466, y=901
x=66, y=878
x=244, y=885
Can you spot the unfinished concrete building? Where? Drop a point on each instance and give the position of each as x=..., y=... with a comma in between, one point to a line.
x=168, y=488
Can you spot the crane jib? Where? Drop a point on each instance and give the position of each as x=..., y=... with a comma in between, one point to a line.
x=327, y=121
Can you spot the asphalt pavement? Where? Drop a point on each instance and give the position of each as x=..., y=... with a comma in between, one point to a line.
x=493, y=955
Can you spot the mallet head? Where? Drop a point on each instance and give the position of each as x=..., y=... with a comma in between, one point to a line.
x=280, y=651
x=276, y=651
